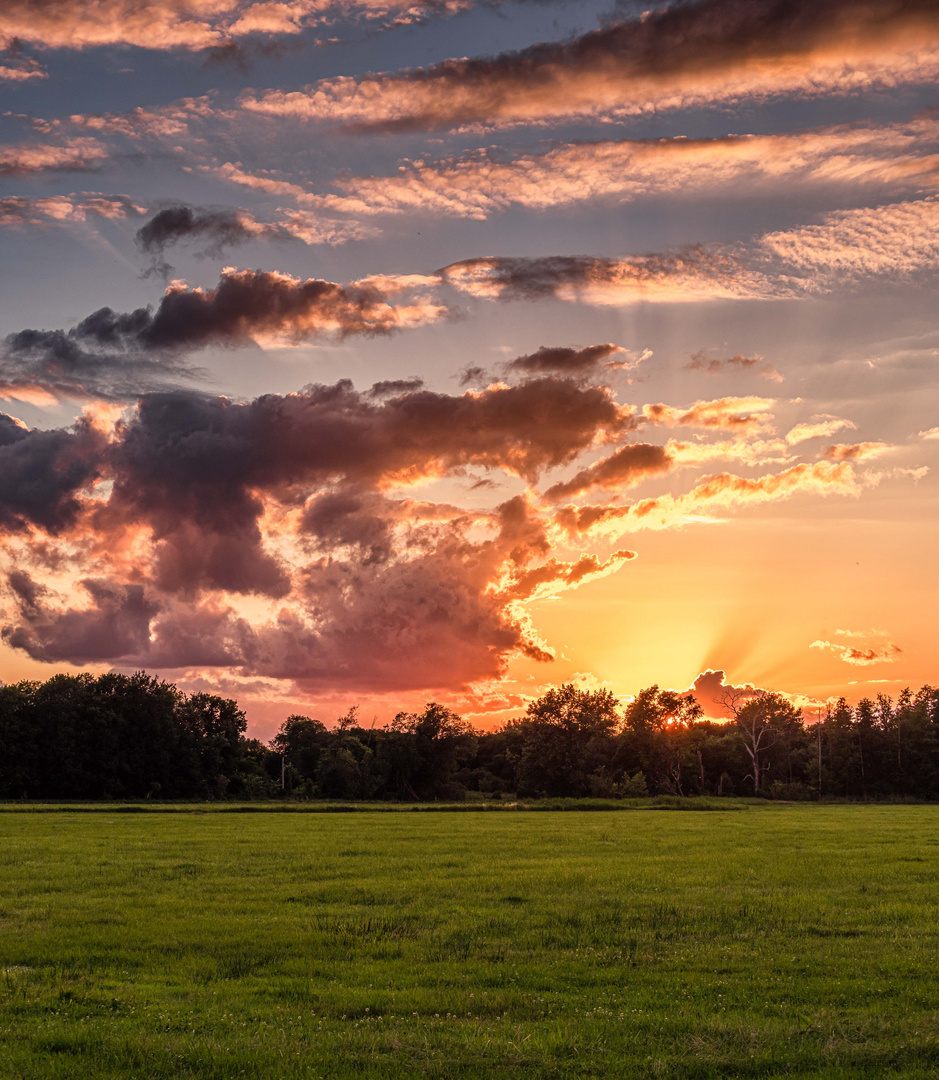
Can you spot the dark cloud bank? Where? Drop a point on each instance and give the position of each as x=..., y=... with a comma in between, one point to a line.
x=200, y=500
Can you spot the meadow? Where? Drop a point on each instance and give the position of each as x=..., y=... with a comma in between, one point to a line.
x=757, y=941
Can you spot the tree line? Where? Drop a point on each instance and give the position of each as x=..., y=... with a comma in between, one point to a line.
x=118, y=736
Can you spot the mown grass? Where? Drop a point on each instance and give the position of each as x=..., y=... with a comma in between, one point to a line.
x=791, y=941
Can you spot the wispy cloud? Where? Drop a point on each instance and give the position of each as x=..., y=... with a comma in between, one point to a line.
x=78, y=207
x=891, y=157
x=700, y=361
x=873, y=648
x=182, y=24
x=73, y=155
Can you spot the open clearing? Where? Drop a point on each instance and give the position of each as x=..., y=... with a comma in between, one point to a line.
x=777, y=941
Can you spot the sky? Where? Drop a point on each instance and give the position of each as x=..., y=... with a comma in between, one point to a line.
x=384, y=351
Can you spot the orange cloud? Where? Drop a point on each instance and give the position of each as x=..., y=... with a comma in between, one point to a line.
x=192, y=24
x=70, y=156
x=713, y=693
x=482, y=184
x=691, y=55
x=731, y=413
x=895, y=240
x=820, y=428
x=722, y=490
x=274, y=539
x=157, y=529
x=77, y=207
x=16, y=66
x=881, y=652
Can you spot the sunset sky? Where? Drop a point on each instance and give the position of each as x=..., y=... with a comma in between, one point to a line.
x=381, y=351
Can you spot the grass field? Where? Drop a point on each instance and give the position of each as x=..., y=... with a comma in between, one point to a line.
x=777, y=941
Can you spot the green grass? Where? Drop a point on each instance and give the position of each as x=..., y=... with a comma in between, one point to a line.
x=784, y=941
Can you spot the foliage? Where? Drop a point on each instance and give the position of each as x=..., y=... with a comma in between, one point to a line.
x=118, y=736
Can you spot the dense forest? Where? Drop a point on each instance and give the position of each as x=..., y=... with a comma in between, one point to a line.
x=134, y=737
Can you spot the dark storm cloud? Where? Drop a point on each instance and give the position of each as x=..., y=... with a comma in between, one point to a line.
x=191, y=445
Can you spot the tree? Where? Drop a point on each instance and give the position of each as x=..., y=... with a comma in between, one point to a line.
x=658, y=737
x=567, y=739
x=426, y=749
x=301, y=741
x=762, y=719
x=214, y=730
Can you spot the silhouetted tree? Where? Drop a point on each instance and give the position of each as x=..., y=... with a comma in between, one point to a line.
x=566, y=741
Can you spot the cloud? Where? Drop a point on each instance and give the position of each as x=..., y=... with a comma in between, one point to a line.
x=626, y=467
x=15, y=210
x=820, y=428
x=700, y=361
x=116, y=624
x=897, y=240
x=285, y=538
x=688, y=55
x=930, y=433
x=172, y=121
x=106, y=352
x=565, y=360
x=484, y=183
x=862, y=451
x=729, y=413
x=881, y=651
x=218, y=229
x=225, y=227
x=849, y=247
x=689, y=274
x=713, y=692
x=723, y=490
x=42, y=472
x=894, y=241
x=554, y=575
x=119, y=355
x=74, y=155
x=743, y=448
x=183, y=24
x=190, y=502
x=16, y=67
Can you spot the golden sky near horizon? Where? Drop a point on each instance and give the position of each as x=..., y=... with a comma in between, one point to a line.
x=379, y=352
